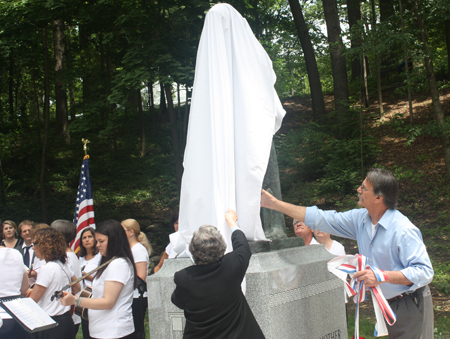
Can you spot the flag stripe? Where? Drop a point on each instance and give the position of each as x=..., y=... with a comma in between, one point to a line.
x=84, y=208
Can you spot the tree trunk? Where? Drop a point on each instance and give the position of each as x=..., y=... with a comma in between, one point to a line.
x=12, y=116
x=354, y=14
x=338, y=63
x=162, y=101
x=389, y=58
x=366, y=85
x=186, y=117
x=433, y=87
x=36, y=97
x=179, y=119
x=175, y=142
x=151, y=108
x=142, y=121
x=255, y=8
x=447, y=40
x=310, y=60
x=60, y=91
x=72, y=102
x=46, y=132
x=84, y=43
x=2, y=185
x=405, y=58
x=377, y=60
x=1, y=86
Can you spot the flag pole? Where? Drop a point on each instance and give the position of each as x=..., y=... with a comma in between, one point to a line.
x=85, y=142
x=84, y=206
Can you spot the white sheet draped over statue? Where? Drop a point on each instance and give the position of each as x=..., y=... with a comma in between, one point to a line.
x=234, y=113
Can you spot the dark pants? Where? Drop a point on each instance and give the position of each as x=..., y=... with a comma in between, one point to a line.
x=64, y=330
x=414, y=314
x=12, y=330
x=85, y=329
x=139, y=307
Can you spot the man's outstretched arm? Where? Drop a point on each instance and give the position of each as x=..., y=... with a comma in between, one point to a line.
x=269, y=201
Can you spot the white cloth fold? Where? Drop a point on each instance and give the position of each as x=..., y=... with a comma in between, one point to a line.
x=234, y=113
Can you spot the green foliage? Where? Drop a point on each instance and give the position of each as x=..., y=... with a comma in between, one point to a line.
x=316, y=154
x=366, y=326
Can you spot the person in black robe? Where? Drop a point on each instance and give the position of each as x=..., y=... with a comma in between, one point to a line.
x=210, y=291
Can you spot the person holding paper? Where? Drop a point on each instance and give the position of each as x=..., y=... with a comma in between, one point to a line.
x=110, y=313
x=13, y=282
x=210, y=291
x=49, y=244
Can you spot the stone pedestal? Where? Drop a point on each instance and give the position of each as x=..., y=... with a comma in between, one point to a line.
x=290, y=292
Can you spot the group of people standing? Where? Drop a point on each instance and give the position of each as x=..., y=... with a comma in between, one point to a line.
x=41, y=263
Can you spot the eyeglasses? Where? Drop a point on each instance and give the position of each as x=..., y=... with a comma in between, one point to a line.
x=365, y=189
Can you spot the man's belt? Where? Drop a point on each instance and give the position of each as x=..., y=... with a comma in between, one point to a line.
x=398, y=297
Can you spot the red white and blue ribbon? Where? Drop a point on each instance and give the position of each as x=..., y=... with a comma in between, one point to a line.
x=349, y=265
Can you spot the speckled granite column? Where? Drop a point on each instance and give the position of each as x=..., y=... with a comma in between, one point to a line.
x=290, y=292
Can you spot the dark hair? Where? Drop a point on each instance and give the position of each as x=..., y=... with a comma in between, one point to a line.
x=82, y=252
x=207, y=245
x=385, y=185
x=118, y=245
x=67, y=228
x=172, y=221
x=51, y=244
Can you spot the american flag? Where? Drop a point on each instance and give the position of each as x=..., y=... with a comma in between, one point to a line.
x=84, y=209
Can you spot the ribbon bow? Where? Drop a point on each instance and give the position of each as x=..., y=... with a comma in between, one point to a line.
x=350, y=264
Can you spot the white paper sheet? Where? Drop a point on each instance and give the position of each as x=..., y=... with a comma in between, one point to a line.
x=234, y=113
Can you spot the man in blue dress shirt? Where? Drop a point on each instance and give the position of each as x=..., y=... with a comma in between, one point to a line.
x=389, y=241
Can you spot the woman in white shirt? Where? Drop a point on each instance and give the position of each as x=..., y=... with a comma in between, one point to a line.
x=37, y=263
x=141, y=251
x=49, y=244
x=69, y=231
x=90, y=258
x=89, y=255
x=110, y=314
x=13, y=282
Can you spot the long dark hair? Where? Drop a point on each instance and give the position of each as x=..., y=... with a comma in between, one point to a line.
x=82, y=252
x=118, y=245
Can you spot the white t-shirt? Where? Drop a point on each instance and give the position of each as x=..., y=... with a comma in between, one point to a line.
x=54, y=276
x=12, y=270
x=170, y=251
x=313, y=242
x=336, y=248
x=72, y=261
x=118, y=321
x=140, y=254
x=89, y=265
x=37, y=264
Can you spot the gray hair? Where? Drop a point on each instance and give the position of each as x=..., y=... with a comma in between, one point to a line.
x=384, y=185
x=207, y=245
x=67, y=228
